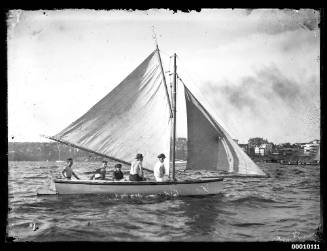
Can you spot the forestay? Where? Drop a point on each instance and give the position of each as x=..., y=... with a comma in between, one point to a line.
x=133, y=118
x=209, y=145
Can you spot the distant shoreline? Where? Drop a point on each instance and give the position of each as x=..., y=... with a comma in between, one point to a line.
x=52, y=151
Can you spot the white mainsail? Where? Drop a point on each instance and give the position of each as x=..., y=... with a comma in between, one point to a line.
x=209, y=146
x=133, y=118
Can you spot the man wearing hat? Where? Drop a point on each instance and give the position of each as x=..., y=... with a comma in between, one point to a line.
x=159, y=168
x=136, y=172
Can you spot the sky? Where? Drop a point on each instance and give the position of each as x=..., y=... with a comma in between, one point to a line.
x=256, y=71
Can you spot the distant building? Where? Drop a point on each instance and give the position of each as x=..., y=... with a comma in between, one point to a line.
x=255, y=144
x=311, y=148
x=262, y=152
x=236, y=141
x=263, y=149
x=259, y=151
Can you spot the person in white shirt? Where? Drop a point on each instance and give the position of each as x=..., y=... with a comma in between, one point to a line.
x=136, y=172
x=159, y=169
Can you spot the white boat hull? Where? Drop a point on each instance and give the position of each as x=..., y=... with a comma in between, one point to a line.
x=187, y=187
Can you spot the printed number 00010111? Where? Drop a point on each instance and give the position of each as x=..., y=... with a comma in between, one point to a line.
x=305, y=246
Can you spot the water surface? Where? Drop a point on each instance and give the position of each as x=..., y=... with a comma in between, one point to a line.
x=284, y=207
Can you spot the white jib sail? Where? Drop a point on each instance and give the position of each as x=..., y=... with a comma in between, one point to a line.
x=133, y=118
x=209, y=146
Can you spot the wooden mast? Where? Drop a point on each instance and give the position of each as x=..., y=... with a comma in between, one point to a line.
x=170, y=103
x=174, y=117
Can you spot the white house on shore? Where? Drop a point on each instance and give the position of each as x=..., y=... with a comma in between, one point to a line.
x=312, y=147
x=263, y=149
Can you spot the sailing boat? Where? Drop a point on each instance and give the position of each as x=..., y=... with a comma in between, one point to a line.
x=139, y=116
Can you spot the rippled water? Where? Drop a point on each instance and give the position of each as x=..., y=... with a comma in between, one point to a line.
x=284, y=207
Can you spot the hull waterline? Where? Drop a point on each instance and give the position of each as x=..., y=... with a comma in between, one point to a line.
x=190, y=187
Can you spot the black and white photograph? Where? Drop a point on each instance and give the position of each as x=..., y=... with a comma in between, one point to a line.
x=163, y=125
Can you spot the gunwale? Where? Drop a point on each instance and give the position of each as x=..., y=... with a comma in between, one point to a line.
x=137, y=183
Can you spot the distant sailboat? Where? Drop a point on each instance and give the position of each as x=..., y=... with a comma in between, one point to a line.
x=139, y=116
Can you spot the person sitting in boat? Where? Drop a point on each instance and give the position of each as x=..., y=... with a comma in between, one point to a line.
x=118, y=174
x=159, y=168
x=100, y=173
x=68, y=171
x=136, y=172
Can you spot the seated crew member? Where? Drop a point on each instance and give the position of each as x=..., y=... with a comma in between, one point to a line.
x=136, y=172
x=100, y=173
x=68, y=171
x=118, y=174
x=159, y=169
